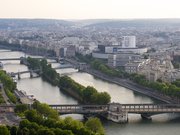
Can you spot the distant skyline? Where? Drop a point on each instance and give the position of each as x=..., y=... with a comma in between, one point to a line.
x=89, y=9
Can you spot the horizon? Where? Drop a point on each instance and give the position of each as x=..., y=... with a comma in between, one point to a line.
x=115, y=19
x=89, y=9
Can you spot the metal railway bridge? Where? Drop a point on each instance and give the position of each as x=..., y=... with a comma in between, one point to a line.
x=129, y=108
x=118, y=112
x=114, y=111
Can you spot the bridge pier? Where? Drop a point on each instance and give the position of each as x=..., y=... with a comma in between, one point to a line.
x=19, y=76
x=116, y=114
x=146, y=116
x=31, y=74
x=23, y=60
x=57, y=60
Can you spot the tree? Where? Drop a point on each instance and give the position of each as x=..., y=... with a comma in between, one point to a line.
x=87, y=94
x=103, y=98
x=45, y=110
x=95, y=125
x=58, y=131
x=33, y=116
x=4, y=130
x=25, y=131
x=45, y=131
x=21, y=108
x=13, y=130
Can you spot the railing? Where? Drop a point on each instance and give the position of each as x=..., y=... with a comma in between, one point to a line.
x=151, y=108
x=129, y=108
x=81, y=109
x=99, y=109
x=28, y=71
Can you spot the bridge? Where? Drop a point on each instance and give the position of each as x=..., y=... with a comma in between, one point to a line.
x=80, y=109
x=8, y=59
x=2, y=51
x=63, y=66
x=118, y=112
x=114, y=111
x=75, y=64
x=24, y=72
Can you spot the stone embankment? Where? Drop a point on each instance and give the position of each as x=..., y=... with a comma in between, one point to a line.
x=132, y=86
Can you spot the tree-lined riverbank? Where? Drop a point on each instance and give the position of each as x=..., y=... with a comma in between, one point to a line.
x=8, y=86
x=88, y=95
x=40, y=119
x=166, y=92
x=46, y=93
x=132, y=86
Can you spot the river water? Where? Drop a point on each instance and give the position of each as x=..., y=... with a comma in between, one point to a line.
x=164, y=124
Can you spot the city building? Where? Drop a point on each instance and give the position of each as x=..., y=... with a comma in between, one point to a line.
x=71, y=50
x=128, y=47
x=132, y=67
x=119, y=60
x=129, y=42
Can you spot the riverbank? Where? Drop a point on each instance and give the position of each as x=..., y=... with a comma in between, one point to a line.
x=87, y=95
x=72, y=94
x=132, y=86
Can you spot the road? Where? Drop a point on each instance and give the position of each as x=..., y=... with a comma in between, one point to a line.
x=133, y=86
x=6, y=99
x=9, y=119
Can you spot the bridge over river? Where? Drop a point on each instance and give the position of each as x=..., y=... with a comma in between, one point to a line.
x=114, y=111
x=118, y=112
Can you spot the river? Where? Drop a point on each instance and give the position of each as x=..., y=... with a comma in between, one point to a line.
x=164, y=124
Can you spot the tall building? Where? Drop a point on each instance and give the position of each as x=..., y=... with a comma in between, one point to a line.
x=67, y=51
x=71, y=50
x=129, y=42
x=120, y=60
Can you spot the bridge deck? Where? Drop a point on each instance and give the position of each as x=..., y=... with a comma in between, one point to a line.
x=129, y=108
x=102, y=109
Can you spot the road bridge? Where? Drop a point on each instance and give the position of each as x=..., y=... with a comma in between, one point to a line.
x=63, y=66
x=75, y=64
x=9, y=59
x=25, y=72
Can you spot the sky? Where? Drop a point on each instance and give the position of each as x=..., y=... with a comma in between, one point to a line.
x=89, y=9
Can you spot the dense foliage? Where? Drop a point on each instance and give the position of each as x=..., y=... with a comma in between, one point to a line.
x=1, y=98
x=8, y=85
x=49, y=74
x=89, y=94
x=168, y=89
x=42, y=120
x=4, y=130
x=100, y=66
x=172, y=90
x=86, y=94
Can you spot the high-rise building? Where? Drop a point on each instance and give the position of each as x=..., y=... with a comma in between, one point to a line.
x=129, y=42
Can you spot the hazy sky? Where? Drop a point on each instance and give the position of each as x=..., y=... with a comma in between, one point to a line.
x=88, y=9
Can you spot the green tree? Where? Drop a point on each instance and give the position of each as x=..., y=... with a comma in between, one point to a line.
x=45, y=110
x=45, y=131
x=103, y=98
x=87, y=94
x=21, y=108
x=95, y=125
x=4, y=130
x=13, y=130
